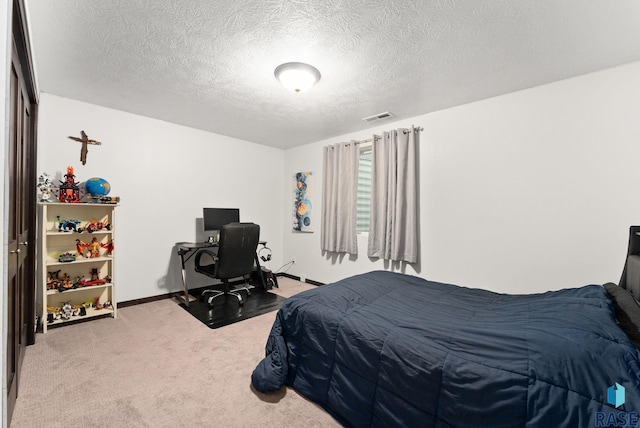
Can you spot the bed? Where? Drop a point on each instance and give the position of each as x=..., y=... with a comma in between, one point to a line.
x=388, y=349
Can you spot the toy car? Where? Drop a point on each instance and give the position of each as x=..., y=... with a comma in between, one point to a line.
x=67, y=257
x=94, y=226
x=95, y=279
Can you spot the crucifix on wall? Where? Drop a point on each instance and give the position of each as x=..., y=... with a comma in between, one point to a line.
x=85, y=141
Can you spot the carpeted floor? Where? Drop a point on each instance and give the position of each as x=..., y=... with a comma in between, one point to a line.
x=156, y=366
x=226, y=309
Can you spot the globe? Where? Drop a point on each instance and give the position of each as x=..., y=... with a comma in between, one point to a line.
x=97, y=186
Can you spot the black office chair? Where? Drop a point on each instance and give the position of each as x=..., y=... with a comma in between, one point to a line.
x=631, y=272
x=235, y=258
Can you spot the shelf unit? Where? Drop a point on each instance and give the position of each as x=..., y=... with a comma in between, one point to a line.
x=54, y=242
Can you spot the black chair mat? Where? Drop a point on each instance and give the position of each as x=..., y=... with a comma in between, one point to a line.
x=226, y=309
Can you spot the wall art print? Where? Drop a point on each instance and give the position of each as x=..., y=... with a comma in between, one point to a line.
x=302, y=201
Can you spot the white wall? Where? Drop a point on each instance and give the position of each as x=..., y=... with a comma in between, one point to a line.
x=165, y=174
x=525, y=192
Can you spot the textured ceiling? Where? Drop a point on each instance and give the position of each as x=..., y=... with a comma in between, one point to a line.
x=209, y=64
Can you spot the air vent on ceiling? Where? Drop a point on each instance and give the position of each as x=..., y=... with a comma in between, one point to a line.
x=378, y=116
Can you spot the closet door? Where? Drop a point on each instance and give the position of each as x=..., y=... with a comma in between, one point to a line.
x=21, y=210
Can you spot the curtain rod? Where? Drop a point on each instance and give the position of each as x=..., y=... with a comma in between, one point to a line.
x=370, y=140
x=405, y=131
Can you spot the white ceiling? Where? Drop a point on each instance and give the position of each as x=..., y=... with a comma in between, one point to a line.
x=209, y=64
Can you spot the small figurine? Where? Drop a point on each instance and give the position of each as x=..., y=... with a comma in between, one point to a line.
x=79, y=310
x=67, y=284
x=81, y=246
x=96, y=304
x=53, y=280
x=108, y=247
x=93, y=246
x=67, y=310
x=53, y=313
x=45, y=186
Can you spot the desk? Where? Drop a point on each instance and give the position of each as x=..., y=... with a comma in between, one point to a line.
x=186, y=250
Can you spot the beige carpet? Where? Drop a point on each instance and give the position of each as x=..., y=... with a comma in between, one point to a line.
x=156, y=366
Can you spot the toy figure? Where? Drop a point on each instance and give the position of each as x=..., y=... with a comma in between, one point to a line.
x=45, y=186
x=68, y=225
x=53, y=313
x=108, y=247
x=81, y=246
x=67, y=284
x=94, y=248
x=69, y=190
x=53, y=280
x=96, y=304
x=67, y=310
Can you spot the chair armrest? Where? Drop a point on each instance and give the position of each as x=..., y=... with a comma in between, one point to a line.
x=208, y=253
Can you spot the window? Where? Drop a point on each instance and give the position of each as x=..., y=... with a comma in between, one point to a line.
x=363, y=197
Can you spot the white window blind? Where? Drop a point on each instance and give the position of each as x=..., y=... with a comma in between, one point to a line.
x=364, y=190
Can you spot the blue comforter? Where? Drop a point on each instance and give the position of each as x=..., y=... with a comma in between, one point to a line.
x=387, y=349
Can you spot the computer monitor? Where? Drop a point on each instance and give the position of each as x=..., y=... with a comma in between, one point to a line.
x=215, y=218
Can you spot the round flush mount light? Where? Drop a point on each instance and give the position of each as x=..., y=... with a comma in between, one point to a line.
x=297, y=76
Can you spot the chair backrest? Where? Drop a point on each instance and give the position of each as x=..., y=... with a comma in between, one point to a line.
x=631, y=263
x=237, y=249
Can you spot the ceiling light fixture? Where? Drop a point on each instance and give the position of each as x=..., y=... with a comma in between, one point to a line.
x=297, y=76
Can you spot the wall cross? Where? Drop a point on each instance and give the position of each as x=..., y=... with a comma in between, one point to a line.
x=83, y=150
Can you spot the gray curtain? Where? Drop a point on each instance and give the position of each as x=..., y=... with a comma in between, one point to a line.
x=393, y=228
x=339, y=190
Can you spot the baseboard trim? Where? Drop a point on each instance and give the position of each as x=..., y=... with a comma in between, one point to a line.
x=146, y=300
x=199, y=290
x=175, y=294
x=297, y=278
